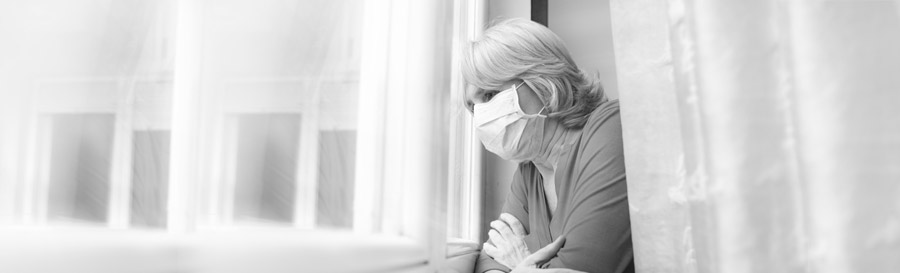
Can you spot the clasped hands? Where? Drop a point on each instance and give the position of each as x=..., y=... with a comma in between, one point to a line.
x=507, y=247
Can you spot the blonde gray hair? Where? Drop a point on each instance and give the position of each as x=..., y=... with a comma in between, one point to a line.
x=522, y=49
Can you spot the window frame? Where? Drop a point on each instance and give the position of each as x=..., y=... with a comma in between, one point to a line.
x=469, y=20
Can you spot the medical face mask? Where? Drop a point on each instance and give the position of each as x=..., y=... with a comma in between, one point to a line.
x=506, y=130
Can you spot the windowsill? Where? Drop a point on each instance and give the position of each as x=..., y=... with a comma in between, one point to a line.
x=84, y=250
x=459, y=247
x=461, y=255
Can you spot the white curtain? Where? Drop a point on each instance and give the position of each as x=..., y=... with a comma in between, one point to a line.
x=761, y=136
x=87, y=90
x=84, y=87
x=212, y=135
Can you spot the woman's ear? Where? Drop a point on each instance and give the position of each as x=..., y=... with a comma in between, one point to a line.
x=529, y=100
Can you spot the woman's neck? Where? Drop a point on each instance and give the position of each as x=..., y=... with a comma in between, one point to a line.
x=556, y=140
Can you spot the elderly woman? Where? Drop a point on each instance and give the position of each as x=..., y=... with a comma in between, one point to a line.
x=532, y=104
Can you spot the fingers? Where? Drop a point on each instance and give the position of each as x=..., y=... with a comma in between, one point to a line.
x=513, y=223
x=497, y=239
x=490, y=250
x=503, y=228
x=546, y=253
x=553, y=247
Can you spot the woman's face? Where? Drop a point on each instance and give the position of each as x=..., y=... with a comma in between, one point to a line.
x=528, y=99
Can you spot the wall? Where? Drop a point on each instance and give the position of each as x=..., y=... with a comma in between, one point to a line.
x=761, y=136
x=585, y=27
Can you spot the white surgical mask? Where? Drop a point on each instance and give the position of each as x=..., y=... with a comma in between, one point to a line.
x=506, y=130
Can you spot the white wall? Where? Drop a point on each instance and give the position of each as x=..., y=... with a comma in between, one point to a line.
x=505, y=9
x=585, y=27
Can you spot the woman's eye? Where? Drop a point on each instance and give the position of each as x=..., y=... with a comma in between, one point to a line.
x=490, y=95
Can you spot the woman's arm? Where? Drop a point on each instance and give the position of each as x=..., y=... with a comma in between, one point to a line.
x=598, y=229
x=516, y=205
x=598, y=233
x=529, y=264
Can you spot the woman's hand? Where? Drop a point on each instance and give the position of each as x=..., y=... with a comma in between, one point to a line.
x=507, y=243
x=530, y=264
x=507, y=246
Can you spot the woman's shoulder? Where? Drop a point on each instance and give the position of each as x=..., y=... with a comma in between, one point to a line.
x=605, y=116
x=600, y=157
x=602, y=133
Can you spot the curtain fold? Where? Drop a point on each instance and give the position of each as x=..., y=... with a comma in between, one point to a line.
x=761, y=136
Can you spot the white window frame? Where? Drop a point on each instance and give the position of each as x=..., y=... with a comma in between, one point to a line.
x=469, y=21
x=464, y=194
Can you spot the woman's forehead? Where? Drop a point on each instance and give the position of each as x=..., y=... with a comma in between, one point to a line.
x=473, y=92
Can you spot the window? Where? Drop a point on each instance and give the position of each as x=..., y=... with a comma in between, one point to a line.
x=265, y=151
x=78, y=165
x=276, y=104
x=277, y=96
x=150, y=178
x=464, y=185
x=197, y=125
x=95, y=153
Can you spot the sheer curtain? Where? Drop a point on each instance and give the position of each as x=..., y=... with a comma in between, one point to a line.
x=761, y=136
x=85, y=86
x=87, y=90
x=226, y=136
x=274, y=111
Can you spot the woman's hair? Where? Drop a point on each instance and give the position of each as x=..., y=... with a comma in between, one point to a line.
x=522, y=49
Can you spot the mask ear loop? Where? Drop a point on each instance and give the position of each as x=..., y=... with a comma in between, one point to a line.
x=516, y=87
x=544, y=105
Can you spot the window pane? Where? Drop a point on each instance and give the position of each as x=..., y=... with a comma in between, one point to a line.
x=279, y=91
x=71, y=81
x=337, y=156
x=150, y=155
x=266, y=166
x=79, y=163
x=150, y=178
